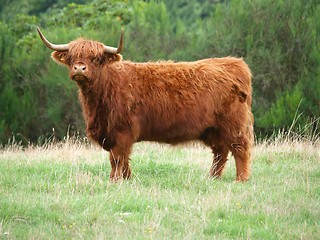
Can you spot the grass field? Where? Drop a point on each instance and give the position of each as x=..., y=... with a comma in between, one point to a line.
x=61, y=191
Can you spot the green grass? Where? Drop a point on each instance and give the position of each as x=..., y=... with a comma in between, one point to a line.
x=61, y=191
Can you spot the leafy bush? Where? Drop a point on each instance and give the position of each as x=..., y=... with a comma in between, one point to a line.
x=278, y=39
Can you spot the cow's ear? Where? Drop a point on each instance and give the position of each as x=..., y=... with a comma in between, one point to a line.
x=113, y=57
x=60, y=57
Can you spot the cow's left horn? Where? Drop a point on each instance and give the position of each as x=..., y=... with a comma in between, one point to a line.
x=113, y=50
x=59, y=48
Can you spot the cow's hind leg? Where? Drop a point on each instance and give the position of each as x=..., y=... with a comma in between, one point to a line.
x=241, y=150
x=212, y=138
x=237, y=132
x=219, y=160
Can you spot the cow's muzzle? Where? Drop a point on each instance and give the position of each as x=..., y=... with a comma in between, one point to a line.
x=79, y=72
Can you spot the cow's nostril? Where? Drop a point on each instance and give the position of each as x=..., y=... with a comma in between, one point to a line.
x=83, y=68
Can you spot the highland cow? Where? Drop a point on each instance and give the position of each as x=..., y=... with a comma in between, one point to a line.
x=125, y=102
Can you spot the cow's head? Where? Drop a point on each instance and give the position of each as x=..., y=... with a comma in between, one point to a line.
x=84, y=57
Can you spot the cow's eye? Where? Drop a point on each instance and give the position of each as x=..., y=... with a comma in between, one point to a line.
x=96, y=60
x=70, y=60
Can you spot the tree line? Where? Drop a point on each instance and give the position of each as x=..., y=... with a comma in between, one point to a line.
x=278, y=39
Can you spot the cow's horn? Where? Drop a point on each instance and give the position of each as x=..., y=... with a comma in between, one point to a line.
x=113, y=50
x=59, y=48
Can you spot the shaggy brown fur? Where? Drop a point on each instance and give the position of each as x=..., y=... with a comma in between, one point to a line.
x=172, y=102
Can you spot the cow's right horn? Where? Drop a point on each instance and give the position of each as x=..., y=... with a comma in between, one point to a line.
x=55, y=47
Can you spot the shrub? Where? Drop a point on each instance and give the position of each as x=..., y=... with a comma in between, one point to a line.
x=278, y=39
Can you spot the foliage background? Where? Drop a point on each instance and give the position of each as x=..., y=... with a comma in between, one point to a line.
x=278, y=39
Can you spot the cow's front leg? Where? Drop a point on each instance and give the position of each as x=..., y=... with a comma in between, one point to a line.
x=119, y=158
x=120, y=168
